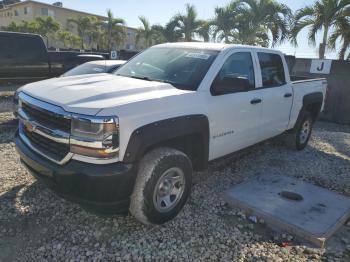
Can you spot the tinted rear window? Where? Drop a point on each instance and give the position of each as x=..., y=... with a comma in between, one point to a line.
x=30, y=48
x=272, y=69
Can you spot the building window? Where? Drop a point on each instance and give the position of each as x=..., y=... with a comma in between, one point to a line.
x=51, y=13
x=44, y=11
x=16, y=13
x=26, y=10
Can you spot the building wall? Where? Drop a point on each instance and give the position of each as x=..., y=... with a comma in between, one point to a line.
x=16, y=13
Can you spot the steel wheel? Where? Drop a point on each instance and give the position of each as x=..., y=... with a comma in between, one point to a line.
x=169, y=189
x=305, y=131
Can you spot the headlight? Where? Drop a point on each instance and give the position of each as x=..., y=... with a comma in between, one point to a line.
x=95, y=137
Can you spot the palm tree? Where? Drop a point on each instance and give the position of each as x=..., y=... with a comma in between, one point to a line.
x=84, y=25
x=158, y=34
x=145, y=32
x=204, y=30
x=24, y=27
x=12, y=27
x=68, y=39
x=223, y=24
x=187, y=23
x=170, y=32
x=46, y=26
x=342, y=32
x=115, y=30
x=259, y=18
x=322, y=15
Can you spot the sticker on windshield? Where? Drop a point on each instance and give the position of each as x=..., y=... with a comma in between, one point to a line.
x=96, y=69
x=198, y=56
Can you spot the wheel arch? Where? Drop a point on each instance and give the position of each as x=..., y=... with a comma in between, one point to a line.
x=312, y=103
x=189, y=134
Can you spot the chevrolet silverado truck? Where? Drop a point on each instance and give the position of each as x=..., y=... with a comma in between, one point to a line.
x=131, y=140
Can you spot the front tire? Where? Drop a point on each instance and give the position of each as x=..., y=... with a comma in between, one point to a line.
x=162, y=186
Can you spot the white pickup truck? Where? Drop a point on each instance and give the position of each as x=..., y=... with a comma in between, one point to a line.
x=132, y=140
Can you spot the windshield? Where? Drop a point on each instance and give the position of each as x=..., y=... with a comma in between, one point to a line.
x=85, y=69
x=183, y=68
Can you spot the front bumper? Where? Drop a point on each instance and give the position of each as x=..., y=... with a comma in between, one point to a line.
x=101, y=188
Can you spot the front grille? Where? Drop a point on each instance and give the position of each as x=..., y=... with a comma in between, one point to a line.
x=51, y=148
x=47, y=118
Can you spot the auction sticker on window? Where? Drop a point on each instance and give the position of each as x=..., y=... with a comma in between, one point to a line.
x=198, y=56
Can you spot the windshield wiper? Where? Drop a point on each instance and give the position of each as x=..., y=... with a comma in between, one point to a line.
x=142, y=78
x=137, y=77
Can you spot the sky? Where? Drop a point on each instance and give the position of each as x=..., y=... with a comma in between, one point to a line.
x=160, y=11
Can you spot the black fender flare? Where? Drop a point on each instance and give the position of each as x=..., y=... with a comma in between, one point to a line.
x=316, y=97
x=164, y=130
x=309, y=99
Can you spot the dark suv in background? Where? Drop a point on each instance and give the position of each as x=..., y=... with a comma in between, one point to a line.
x=25, y=57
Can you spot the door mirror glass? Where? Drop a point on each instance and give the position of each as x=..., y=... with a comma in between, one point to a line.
x=229, y=85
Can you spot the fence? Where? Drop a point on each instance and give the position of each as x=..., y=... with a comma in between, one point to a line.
x=338, y=100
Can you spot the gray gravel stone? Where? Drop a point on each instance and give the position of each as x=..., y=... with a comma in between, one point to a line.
x=45, y=227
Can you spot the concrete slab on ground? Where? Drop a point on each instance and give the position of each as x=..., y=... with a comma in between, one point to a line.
x=299, y=208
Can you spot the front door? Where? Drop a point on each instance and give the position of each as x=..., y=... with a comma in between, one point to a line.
x=234, y=116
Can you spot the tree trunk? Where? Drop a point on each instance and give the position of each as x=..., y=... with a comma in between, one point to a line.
x=323, y=45
x=109, y=40
x=342, y=52
x=226, y=39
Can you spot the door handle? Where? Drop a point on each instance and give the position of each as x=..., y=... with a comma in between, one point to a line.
x=287, y=95
x=255, y=101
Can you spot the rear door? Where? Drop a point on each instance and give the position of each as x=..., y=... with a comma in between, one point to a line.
x=234, y=116
x=277, y=94
x=7, y=56
x=31, y=57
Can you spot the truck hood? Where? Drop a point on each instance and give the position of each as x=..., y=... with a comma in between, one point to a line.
x=88, y=94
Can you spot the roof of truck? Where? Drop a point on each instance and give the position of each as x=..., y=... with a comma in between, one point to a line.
x=208, y=46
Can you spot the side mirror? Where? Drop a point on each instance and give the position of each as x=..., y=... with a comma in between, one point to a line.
x=229, y=85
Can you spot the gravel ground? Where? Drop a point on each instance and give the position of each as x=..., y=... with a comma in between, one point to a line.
x=37, y=225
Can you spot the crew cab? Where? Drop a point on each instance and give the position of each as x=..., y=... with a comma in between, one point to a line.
x=131, y=140
x=25, y=58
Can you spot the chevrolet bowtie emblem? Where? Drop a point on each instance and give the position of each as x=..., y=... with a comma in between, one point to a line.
x=30, y=127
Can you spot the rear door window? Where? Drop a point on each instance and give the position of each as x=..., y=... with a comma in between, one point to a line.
x=30, y=49
x=272, y=70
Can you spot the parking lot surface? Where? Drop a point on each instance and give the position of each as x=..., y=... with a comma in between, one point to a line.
x=37, y=225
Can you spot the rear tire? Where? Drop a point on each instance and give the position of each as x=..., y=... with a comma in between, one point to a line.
x=300, y=137
x=162, y=186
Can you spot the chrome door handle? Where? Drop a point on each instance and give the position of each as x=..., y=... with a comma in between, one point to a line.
x=287, y=95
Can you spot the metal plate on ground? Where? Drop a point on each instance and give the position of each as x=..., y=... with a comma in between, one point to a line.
x=310, y=212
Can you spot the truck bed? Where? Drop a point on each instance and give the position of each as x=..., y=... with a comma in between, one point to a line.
x=298, y=79
x=303, y=86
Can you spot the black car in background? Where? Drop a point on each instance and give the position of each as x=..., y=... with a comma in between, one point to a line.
x=25, y=57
